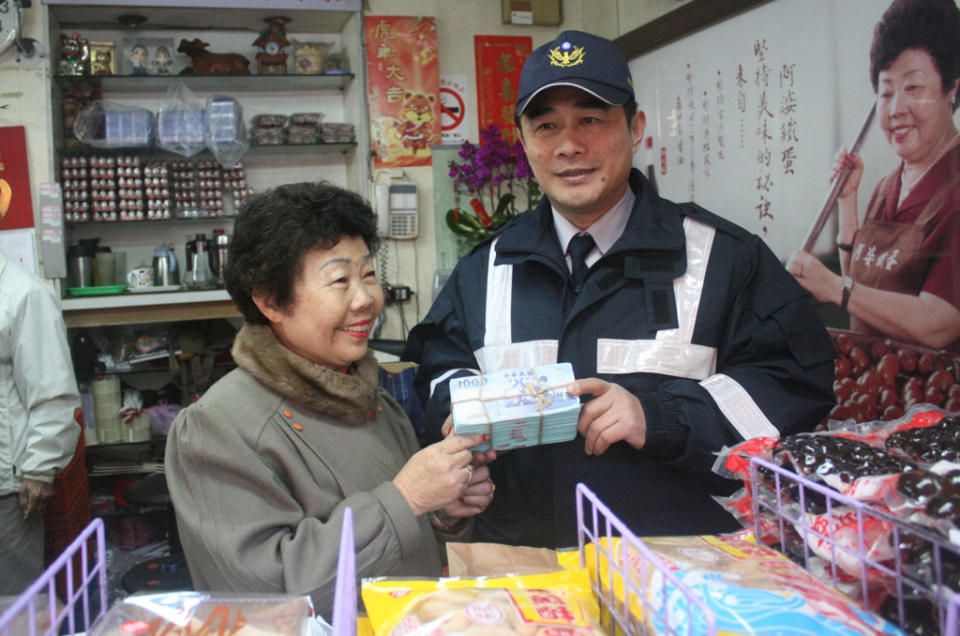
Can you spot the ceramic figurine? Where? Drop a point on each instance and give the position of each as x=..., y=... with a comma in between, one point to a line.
x=74, y=54
x=162, y=61
x=204, y=62
x=138, y=59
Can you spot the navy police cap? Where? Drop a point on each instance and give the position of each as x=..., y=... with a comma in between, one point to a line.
x=575, y=58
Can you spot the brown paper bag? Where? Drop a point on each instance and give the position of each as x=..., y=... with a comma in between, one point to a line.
x=471, y=560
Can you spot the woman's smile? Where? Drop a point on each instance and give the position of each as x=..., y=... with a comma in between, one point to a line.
x=359, y=330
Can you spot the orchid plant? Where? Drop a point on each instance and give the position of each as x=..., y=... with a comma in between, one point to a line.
x=496, y=175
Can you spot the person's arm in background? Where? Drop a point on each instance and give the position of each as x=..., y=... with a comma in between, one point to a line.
x=925, y=318
x=440, y=346
x=43, y=375
x=849, y=216
x=774, y=377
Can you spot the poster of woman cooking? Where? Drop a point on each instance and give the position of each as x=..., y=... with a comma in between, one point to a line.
x=829, y=129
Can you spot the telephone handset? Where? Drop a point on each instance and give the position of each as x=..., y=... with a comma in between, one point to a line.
x=396, y=205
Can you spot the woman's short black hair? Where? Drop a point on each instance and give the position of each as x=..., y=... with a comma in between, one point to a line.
x=277, y=228
x=931, y=25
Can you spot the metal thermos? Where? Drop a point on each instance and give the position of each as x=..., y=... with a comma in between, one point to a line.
x=218, y=254
x=191, y=248
x=80, y=263
x=199, y=274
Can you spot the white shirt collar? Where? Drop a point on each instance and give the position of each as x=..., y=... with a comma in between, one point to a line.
x=605, y=230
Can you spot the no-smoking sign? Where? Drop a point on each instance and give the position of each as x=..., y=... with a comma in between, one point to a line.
x=453, y=108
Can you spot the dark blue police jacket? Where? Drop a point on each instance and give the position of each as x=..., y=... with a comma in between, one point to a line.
x=689, y=312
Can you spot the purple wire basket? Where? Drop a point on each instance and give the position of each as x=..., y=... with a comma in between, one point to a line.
x=84, y=603
x=345, y=594
x=859, y=549
x=595, y=522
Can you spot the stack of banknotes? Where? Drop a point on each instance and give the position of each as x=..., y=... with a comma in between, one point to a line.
x=516, y=407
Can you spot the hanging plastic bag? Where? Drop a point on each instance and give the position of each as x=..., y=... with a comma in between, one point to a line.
x=111, y=125
x=224, y=131
x=180, y=121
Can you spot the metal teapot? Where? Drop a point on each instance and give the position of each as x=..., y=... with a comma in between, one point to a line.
x=165, y=270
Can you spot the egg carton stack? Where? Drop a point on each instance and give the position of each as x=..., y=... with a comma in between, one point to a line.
x=157, y=190
x=75, y=178
x=103, y=188
x=235, y=182
x=210, y=180
x=131, y=204
x=184, y=184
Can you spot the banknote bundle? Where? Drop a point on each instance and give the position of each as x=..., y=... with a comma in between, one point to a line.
x=516, y=407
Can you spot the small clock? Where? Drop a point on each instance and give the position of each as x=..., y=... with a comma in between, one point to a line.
x=272, y=48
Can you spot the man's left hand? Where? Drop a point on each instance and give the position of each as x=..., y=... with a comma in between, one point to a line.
x=34, y=496
x=613, y=415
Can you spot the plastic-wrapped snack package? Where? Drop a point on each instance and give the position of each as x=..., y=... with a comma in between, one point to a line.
x=848, y=465
x=558, y=603
x=180, y=121
x=224, y=130
x=207, y=613
x=837, y=460
x=749, y=588
x=927, y=442
x=111, y=125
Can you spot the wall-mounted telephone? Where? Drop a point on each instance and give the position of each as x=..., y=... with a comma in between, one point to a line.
x=396, y=209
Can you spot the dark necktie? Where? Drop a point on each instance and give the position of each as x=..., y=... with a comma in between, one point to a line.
x=580, y=245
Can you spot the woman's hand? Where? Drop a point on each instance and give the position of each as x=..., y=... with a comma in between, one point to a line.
x=439, y=474
x=475, y=498
x=843, y=161
x=479, y=457
x=815, y=277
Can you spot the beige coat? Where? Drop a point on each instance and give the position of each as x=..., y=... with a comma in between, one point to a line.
x=260, y=484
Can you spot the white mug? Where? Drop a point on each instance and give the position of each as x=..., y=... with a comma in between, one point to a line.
x=140, y=277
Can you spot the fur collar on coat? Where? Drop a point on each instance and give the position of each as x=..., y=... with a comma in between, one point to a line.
x=346, y=397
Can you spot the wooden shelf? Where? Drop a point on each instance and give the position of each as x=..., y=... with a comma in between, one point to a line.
x=308, y=16
x=254, y=151
x=126, y=309
x=227, y=220
x=230, y=83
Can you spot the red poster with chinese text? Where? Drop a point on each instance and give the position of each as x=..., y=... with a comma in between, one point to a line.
x=16, y=205
x=403, y=83
x=499, y=61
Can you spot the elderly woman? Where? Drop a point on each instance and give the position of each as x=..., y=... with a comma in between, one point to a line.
x=263, y=466
x=901, y=267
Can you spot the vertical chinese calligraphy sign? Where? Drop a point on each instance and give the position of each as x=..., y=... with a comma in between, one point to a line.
x=499, y=60
x=16, y=204
x=403, y=89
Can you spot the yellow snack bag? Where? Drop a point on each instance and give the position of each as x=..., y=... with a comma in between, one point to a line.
x=555, y=604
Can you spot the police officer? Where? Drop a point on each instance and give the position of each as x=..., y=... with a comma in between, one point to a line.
x=685, y=332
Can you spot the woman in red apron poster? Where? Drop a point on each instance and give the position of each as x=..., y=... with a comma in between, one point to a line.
x=900, y=268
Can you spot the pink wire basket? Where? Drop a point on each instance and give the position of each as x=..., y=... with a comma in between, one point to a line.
x=597, y=524
x=903, y=571
x=39, y=611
